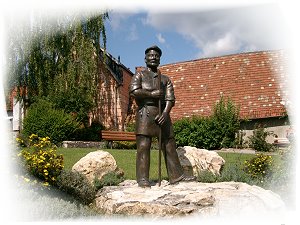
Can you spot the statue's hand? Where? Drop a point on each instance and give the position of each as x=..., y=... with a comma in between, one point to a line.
x=157, y=94
x=160, y=120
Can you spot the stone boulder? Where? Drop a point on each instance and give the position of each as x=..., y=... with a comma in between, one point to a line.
x=96, y=164
x=194, y=160
x=230, y=199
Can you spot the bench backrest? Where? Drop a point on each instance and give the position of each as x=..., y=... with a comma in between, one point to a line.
x=118, y=135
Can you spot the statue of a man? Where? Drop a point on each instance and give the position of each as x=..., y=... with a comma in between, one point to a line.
x=147, y=91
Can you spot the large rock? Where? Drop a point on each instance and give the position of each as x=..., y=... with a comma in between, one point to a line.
x=194, y=160
x=96, y=164
x=201, y=199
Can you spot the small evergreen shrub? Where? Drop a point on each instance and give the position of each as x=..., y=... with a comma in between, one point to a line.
x=206, y=176
x=41, y=160
x=258, y=141
x=46, y=121
x=109, y=179
x=259, y=167
x=76, y=185
x=232, y=172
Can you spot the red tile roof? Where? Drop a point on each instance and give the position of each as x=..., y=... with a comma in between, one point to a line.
x=256, y=81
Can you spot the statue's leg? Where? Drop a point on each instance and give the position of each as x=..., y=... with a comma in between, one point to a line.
x=143, y=160
x=174, y=168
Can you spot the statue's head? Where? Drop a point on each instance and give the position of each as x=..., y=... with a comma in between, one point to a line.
x=152, y=56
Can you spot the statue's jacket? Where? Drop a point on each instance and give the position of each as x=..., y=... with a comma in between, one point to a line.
x=148, y=107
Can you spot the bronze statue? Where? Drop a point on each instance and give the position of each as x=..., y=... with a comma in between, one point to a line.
x=147, y=91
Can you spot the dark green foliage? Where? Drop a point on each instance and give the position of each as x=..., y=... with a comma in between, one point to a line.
x=182, y=130
x=74, y=101
x=109, y=179
x=258, y=141
x=44, y=120
x=91, y=133
x=124, y=145
x=226, y=121
x=76, y=185
x=212, y=132
x=130, y=127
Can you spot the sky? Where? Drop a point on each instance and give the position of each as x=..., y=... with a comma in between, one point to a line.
x=195, y=33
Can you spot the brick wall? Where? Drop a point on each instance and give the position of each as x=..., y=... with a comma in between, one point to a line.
x=113, y=100
x=123, y=99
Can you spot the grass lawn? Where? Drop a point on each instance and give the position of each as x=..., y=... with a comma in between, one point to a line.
x=126, y=160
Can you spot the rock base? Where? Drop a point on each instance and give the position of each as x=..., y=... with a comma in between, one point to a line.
x=204, y=199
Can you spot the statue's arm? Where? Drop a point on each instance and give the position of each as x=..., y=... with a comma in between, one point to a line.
x=142, y=93
x=169, y=106
x=136, y=89
x=170, y=102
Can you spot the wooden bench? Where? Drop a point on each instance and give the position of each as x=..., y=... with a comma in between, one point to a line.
x=281, y=142
x=111, y=136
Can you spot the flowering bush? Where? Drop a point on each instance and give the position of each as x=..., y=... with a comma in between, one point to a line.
x=41, y=159
x=20, y=142
x=259, y=166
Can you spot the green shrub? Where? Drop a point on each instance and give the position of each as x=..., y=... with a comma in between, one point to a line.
x=76, y=185
x=41, y=159
x=109, y=179
x=258, y=141
x=182, y=130
x=124, y=145
x=214, y=132
x=91, y=133
x=226, y=119
x=130, y=127
x=259, y=167
x=74, y=100
x=46, y=121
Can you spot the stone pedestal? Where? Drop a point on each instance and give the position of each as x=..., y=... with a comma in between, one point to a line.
x=203, y=199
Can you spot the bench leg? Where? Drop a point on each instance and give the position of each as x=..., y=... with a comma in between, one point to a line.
x=110, y=144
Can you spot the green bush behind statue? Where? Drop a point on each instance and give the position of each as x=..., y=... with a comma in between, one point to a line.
x=212, y=132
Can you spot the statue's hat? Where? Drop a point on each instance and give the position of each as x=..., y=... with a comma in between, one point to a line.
x=154, y=47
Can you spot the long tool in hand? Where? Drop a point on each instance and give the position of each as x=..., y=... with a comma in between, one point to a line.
x=160, y=131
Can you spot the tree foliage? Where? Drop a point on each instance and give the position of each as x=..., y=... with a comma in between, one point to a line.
x=59, y=60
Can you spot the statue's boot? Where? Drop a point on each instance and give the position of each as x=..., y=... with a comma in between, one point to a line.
x=183, y=178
